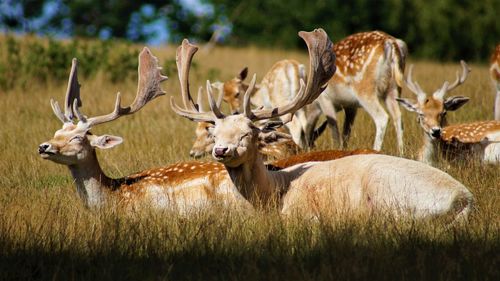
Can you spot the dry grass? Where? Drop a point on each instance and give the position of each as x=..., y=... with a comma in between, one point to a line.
x=45, y=233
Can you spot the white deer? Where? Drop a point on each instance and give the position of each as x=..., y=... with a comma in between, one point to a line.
x=359, y=183
x=461, y=141
x=181, y=187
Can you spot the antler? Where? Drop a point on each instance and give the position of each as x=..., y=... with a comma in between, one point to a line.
x=414, y=87
x=148, y=88
x=460, y=79
x=72, y=94
x=321, y=69
x=199, y=99
x=184, y=56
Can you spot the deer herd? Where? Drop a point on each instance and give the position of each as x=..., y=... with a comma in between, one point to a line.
x=260, y=146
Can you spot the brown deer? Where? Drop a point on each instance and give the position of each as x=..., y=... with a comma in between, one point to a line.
x=182, y=186
x=495, y=78
x=461, y=141
x=370, y=67
x=356, y=183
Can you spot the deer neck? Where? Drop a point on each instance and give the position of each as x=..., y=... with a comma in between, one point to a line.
x=92, y=184
x=253, y=179
x=428, y=151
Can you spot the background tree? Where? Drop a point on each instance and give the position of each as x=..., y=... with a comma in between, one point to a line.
x=442, y=29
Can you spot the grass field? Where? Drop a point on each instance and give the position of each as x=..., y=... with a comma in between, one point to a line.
x=46, y=233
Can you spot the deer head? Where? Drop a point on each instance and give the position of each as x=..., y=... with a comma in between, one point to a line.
x=237, y=138
x=432, y=109
x=74, y=143
x=203, y=142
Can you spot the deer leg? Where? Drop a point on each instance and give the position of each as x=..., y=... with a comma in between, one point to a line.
x=395, y=112
x=372, y=105
x=497, y=103
x=350, y=115
x=330, y=113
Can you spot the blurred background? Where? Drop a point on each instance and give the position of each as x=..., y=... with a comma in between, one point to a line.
x=433, y=29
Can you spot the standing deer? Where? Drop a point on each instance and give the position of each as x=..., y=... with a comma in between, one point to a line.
x=462, y=141
x=181, y=186
x=358, y=183
x=495, y=77
x=370, y=67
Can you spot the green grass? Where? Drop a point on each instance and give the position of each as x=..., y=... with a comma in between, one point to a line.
x=46, y=233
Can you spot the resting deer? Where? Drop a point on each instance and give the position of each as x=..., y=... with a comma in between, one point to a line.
x=181, y=186
x=370, y=67
x=204, y=143
x=495, y=77
x=358, y=183
x=461, y=141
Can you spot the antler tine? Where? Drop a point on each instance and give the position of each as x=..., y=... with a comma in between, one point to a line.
x=212, y=103
x=148, y=88
x=199, y=100
x=321, y=69
x=460, y=78
x=72, y=93
x=414, y=87
x=247, y=110
x=183, y=58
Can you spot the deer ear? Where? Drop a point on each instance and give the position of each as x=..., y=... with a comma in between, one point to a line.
x=408, y=105
x=272, y=137
x=105, y=141
x=243, y=74
x=454, y=103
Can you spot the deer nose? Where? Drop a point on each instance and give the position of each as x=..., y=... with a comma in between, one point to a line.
x=43, y=148
x=436, y=132
x=220, y=151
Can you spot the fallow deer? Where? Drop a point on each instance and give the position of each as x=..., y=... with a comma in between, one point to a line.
x=204, y=143
x=280, y=84
x=358, y=183
x=462, y=141
x=495, y=77
x=182, y=186
x=370, y=67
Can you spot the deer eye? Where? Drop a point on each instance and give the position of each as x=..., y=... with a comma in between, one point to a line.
x=76, y=139
x=244, y=136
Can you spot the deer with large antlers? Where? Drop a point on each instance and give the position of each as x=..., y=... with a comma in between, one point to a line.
x=204, y=143
x=280, y=85
x=182, y=186
x=358, y=183
x=462, y=141
x=495, y=78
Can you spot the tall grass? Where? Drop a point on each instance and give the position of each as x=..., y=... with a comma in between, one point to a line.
x=46, y=233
